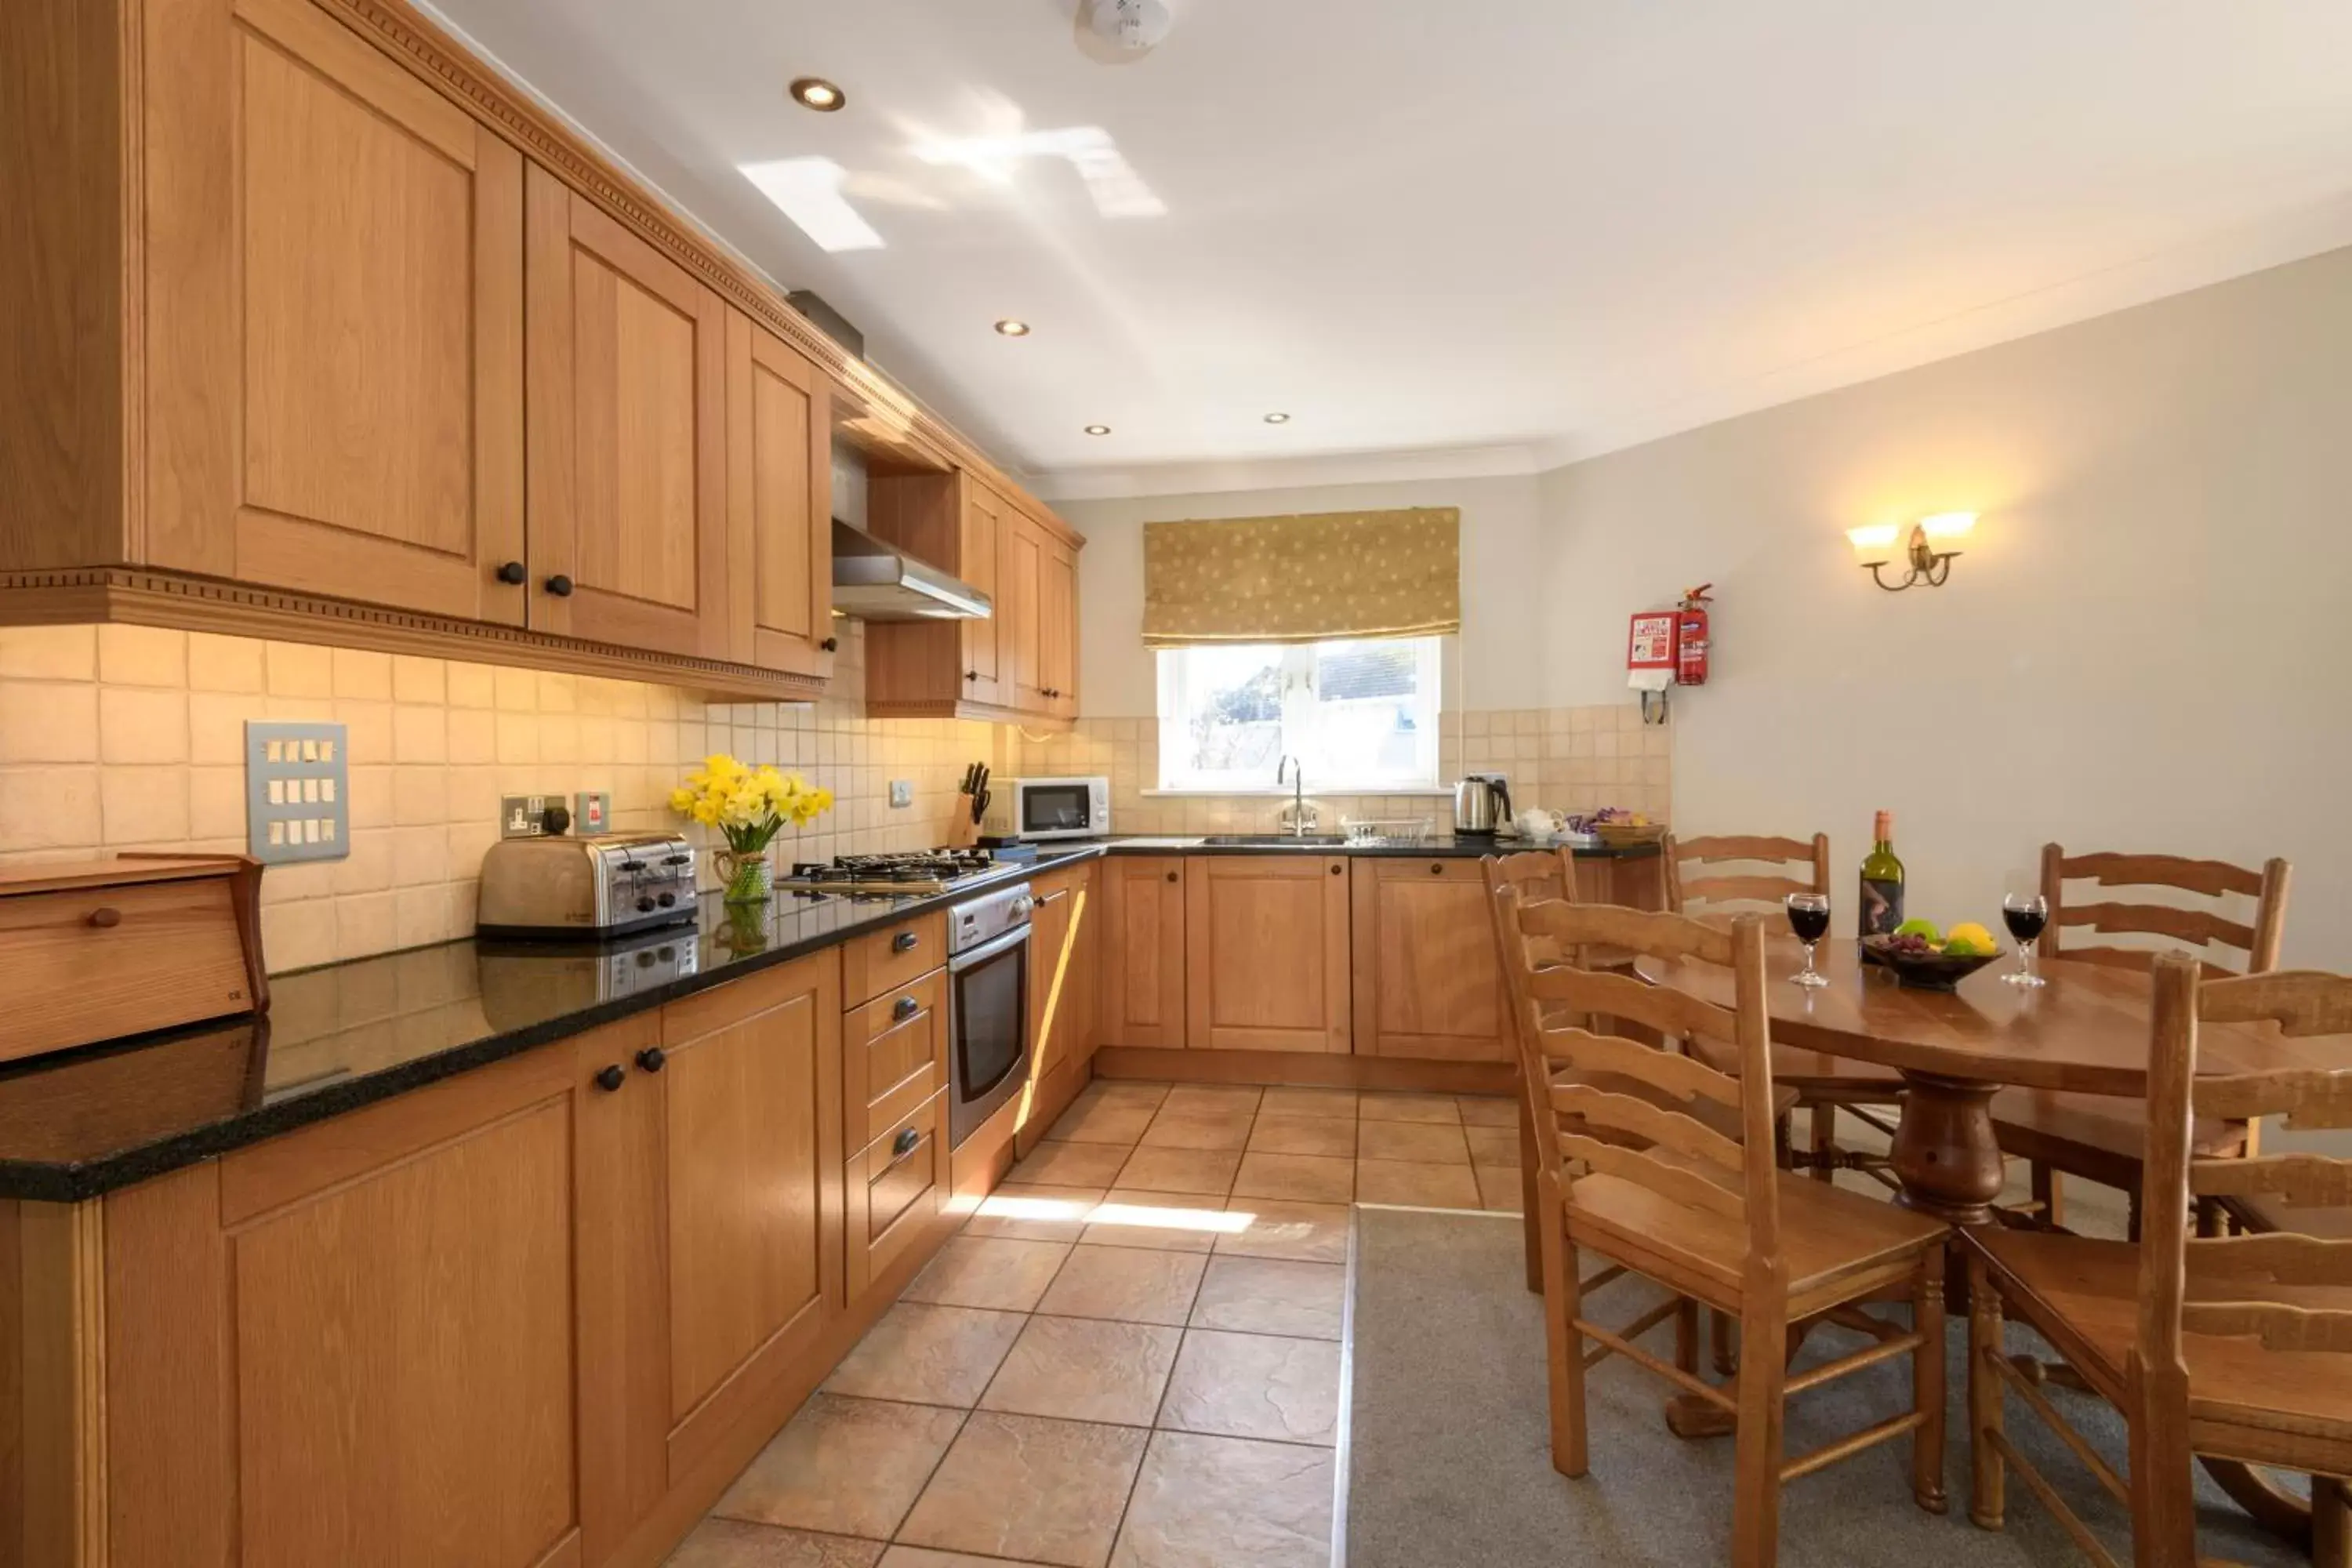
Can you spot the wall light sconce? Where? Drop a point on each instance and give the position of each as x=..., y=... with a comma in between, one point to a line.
x=1876, y=546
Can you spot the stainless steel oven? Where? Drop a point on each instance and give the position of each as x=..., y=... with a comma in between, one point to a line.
x=988, y=1006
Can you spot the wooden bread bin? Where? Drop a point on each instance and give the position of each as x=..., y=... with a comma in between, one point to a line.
x=95, y=949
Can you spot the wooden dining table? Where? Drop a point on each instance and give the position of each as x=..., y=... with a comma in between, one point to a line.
x=2086, y=1032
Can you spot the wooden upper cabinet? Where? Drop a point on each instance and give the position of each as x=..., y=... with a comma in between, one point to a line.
x=779, y=502
x=1141, y=970
x=1021, y=567
x=1057, y=628
x=627, y=436
x=981, y=549
x=1426, y=983
x=1266, y=952
x=334, y=318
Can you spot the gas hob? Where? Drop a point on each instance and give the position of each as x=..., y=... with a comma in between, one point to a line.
x=909, y=874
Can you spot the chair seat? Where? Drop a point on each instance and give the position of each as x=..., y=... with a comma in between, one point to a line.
x=1828, y=1235
x=1818, y=1076
x=2041, y=1124
x=2085, y=1296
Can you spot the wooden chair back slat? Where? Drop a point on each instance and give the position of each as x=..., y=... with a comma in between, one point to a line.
x=1541, y=876
x=1682, y=1077
x=2280, y=1257
x=1644, y=1168
x=1645, y=932
x=2198, y=928
x=2280, y=1327
x=2314, y=1097
x=1808, y=863
x=1673, y=1014
x=1648, y=1120
x=2303, y=1180
x=2299, y=1001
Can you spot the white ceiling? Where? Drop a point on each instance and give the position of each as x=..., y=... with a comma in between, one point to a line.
x=1534, y=230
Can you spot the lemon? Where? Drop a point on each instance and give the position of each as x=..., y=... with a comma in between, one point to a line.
x=1975, y=935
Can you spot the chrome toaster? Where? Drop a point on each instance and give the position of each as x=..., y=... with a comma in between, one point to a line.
x=587, y=885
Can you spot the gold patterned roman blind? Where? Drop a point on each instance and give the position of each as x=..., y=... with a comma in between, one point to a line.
x=1302, y=579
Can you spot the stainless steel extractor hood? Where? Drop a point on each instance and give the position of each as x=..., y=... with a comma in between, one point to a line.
x=873, y=582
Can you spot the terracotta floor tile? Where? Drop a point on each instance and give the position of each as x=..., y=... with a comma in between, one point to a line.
x=1123, y=1091
x=1418, y=1184
x=1494, y=1146
x=1164, y=1222
x=1425, y=1142
x=1215, y=1502
x=1488, y=1109
x=1128, y=1284
x=1198, y=1130
x=1255, y=1386
x=1056, y=1163
x=846, y=1467
x=929, y=1355
x=1016, y=1486
x=1339, y=1102
x=1500, y=1190
x=1033, y=1212
x=731, y=1543
x=1435, y=1108
x=1102, y=1122
x=1180, y=1170
x=1306, y=1233
x=1328, y=1135
x=1303, y=1178
x=1188, y=1098
x=1078, y=1369
x=1271, y=1296
x=923, y=1557
x=996, y=1272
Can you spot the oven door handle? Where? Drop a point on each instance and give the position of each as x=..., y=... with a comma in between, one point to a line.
x=993, y=947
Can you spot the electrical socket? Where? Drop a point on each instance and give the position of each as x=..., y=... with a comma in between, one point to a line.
x=902, y=793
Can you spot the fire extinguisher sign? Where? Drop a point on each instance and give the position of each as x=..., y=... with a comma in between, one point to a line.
x=1652, y=645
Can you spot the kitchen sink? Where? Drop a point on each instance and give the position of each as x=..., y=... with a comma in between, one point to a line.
x=1274, y=840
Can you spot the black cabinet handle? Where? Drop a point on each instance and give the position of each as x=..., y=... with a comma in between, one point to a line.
x=1172, y=875
x=652, y=1058
x=1337, y=870
x=106, y=918
x=512, y=574
x=560, y=585
x=905, y=1007
x=1437, y=868
x=904, y=941
x=971, y=675
x=830, y=644
x=906, y=1143
x=609, y=1078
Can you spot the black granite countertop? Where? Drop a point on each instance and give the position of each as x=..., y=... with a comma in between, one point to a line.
x=82, y=1123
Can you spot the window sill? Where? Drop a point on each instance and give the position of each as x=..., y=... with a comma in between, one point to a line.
x=1431, y=791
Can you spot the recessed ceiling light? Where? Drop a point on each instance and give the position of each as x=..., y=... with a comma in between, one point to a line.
x=1278, y=418
x=815, y=92
x=1012, y=329
x=1098, y=429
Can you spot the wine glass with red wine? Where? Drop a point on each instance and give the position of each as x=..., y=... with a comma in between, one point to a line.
x=1808, y=917
x=2025, y=914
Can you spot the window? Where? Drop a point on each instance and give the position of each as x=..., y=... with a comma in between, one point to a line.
x=1358, y=715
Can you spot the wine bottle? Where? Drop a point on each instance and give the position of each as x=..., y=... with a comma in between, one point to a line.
x=1881, y=907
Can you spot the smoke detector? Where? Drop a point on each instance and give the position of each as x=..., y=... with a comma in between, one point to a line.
x=1116, y=31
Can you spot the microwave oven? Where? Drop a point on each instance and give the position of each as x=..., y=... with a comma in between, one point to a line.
x=1046, y=808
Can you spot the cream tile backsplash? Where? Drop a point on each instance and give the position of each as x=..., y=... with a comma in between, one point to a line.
x=126, y=737
x=1565, y=758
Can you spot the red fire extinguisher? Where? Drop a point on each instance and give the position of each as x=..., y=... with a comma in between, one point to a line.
x=1690, y=638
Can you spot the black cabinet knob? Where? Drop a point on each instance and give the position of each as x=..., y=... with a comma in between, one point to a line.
x=971, y=675
x=609, y=1078
x=1437, y=868
x=1172, y=875
x=651, y=1058
x=906, y=1143
x=830, y=644
x=904, y=941
x=560, y=585
x=512, y=574
x=906, y=1008
x=1336, y=868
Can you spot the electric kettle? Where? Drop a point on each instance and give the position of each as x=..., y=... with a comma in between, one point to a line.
x=1482, y=803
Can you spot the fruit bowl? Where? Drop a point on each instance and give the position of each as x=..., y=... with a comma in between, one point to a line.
x=1923, y=968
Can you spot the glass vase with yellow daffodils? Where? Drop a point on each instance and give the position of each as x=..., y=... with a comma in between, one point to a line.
x=751, y=807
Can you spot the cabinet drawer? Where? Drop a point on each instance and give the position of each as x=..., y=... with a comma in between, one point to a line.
x=894, y=1187
x=95, y=963
x=897, y=1057
x=891, y=958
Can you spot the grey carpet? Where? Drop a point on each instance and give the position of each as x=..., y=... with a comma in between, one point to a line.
x=1449, y=1455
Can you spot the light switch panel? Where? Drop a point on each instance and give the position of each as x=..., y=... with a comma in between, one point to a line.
x=902, y=791
x=296, y=792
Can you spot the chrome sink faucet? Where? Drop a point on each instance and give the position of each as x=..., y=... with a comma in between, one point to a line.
x=1298, y=772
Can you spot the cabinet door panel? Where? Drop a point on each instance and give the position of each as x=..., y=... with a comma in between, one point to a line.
x=1265, y=954
x=1427, y=981
x=628, y=443
x=342, y=246
x=1142, y=973
x=1057, y=630
x=983, y=524
x=780, y=503
x=1021, y=567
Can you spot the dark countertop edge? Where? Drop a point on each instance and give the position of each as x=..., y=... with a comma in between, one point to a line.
x=43, y=1181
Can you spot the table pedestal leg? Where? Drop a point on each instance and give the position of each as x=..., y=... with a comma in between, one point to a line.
x=1944, y=1151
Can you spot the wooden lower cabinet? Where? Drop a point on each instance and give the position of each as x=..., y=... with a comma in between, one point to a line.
x=1426, y=980
x=1142, y=968
x=1266, y=952
x=1064, y=937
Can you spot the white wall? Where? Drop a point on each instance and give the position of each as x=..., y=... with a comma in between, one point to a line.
x=1492, y=665
x=2146, y=645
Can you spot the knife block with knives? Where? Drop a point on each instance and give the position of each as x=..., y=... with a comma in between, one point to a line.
x=972, y=805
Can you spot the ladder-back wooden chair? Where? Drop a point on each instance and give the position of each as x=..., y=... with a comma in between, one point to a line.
x=1824, y=1084
x=1678, y=1181
x=1541, y=876
x=2098, y=1137
x=2237, y=1348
